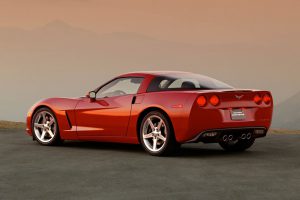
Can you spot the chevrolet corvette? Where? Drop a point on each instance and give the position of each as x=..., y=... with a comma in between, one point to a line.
x=159, y=110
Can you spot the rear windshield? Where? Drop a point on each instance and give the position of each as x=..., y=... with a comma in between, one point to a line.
x=185, y=82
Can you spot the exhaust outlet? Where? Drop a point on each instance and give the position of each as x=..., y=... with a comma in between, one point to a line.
x=225, y=138
x=244, y=136
x=230, y=137
x=249, y=135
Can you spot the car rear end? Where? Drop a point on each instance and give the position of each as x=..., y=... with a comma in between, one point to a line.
x=230, y=114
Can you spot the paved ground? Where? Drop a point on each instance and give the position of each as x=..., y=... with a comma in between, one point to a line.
x=87, y=170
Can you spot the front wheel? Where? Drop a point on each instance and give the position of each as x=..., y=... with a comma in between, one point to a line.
x=45, y=127
x=157, y=136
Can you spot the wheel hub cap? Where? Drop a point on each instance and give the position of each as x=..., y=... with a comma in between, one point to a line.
x=154, y=133
x=45, y=126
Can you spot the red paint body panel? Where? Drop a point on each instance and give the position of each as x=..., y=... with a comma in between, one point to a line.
x=219, y=117
x=104, y=117
x=62, y=107
x=115, y=119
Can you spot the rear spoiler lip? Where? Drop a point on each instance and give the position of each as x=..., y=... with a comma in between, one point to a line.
x=232, y=90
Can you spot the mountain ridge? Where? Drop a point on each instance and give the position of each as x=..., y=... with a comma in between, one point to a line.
x=287, y=113
x=58, y=54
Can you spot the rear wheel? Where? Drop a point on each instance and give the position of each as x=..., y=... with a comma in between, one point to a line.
x=237, y=145
x=45, y=127
x=156, y=134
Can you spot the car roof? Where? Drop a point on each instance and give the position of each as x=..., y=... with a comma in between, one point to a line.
x=155, y=73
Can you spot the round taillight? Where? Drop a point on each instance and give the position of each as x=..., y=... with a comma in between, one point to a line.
x=201, y=101
x=214, y=100
x=257, y=99
x=267, y=99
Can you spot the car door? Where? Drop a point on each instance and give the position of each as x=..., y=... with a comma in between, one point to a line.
x=109, y=114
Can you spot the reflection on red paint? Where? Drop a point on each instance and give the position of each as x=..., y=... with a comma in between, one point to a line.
x=177, y=106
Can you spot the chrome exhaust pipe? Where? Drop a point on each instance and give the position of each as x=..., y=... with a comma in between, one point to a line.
x=225, y=138
x=249, y=135
x=230, y=137
x=244, y=136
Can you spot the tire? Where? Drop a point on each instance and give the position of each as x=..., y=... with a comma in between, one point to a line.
x=157, y=135
x=45, y=127
x=240, y=145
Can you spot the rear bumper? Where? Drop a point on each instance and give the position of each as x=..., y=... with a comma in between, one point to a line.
x=217, y=135
x=206, y=119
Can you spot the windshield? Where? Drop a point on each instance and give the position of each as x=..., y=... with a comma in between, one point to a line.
x=186, y=82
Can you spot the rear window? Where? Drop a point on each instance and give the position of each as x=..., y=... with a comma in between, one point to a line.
x=186, y=82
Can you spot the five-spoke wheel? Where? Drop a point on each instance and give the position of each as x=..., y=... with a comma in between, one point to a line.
x=156, y=134
x=45, y=128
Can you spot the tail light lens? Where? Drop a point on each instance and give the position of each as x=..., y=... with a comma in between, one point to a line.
x=257, y=99
x=267, y=99
x=201, y=101
x=214, y=100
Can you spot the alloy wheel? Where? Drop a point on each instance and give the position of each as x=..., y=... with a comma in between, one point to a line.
x=45, y=127
x=154, y=133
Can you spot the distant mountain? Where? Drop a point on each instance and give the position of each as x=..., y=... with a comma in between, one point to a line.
x=287, y=114
x=59, y=59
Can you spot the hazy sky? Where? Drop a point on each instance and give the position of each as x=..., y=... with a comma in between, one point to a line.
x=192, y=21
x=67, y=47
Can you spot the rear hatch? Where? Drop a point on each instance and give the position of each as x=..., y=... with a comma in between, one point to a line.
x=236, y=98
x=215, y=109
x=228, y=110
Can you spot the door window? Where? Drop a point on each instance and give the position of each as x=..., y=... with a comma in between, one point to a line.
x=119, y=87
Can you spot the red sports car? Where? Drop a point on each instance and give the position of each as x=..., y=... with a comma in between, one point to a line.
x=160, y=110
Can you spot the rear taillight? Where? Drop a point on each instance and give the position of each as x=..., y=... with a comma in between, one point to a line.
x=214, y=100
x=257, y=99
x=267, y=99
x=201, y=101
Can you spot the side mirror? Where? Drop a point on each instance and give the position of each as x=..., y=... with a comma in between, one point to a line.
x=92, y=95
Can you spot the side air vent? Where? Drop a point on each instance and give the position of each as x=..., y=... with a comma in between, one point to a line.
x=68, y=119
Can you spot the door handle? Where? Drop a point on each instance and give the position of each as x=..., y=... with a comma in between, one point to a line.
x=133, y=100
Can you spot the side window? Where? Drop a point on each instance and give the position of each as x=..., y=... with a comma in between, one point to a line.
x=119, y=87
x=180, y=83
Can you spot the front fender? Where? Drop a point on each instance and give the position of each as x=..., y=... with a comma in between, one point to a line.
x=63, y=109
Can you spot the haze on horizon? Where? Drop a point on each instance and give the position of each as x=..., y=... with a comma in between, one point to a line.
x=188, y=21
x=65, y=48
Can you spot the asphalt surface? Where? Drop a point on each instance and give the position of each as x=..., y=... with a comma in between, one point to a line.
x=89, y=170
